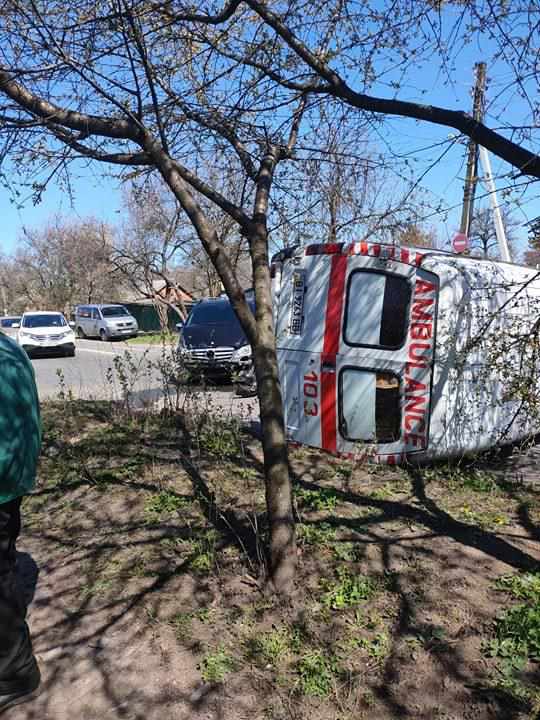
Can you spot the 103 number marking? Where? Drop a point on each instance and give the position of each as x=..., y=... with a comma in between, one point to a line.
x=311, y=393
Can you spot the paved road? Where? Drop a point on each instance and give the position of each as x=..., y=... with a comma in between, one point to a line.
x=89, y=373
x=93, y=374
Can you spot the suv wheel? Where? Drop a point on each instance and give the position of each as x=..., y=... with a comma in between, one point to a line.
x=103, y=335
x=80, y=332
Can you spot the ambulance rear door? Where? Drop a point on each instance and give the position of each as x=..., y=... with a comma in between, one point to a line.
x=384, y=360
x=356, y=370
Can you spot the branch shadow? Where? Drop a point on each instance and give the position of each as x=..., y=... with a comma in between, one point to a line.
x=410, y=626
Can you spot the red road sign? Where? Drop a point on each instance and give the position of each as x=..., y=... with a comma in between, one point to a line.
x=460, y=243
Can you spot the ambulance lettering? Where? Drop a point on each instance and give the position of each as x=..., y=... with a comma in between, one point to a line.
x=311, y=394
x=417, y=367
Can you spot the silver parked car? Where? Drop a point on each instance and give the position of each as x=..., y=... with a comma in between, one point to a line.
x=104, y=321
x=9, y=324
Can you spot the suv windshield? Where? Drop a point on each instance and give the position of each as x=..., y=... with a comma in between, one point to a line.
x=37, y=321
x=213, y=312
x=114, y=311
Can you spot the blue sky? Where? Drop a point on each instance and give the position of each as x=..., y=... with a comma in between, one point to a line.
x=93, y=195
x=99, y=196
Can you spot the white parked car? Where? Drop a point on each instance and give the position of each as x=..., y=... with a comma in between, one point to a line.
x=46, y=333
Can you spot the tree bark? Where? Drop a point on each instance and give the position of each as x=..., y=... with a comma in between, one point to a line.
x=282, y=543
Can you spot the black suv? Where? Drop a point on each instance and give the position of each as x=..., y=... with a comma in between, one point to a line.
x=212, y=341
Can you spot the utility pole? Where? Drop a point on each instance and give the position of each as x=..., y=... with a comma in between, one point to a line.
x=497, y=218
x=469, y=187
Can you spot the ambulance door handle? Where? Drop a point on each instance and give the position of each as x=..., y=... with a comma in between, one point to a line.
x=328, y=366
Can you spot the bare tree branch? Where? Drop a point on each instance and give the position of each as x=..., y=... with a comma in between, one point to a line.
x=527, y=162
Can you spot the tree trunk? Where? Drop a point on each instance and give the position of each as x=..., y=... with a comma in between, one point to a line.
x=282, y=547
x=161, y=311
x=276, y=466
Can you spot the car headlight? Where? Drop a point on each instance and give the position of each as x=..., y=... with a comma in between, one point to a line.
x=242, y=355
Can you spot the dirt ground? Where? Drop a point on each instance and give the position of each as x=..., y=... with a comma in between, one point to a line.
x=142, y=559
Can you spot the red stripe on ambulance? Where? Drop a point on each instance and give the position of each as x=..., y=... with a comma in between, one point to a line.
x=328, y=411
x=332, y=331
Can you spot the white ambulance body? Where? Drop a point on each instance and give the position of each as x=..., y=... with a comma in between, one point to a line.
x=405, y=354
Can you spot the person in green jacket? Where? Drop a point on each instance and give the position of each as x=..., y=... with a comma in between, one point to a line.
x=20, y=440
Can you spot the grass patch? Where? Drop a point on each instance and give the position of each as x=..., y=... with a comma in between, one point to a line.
x=154, y=339
x=377, y=647
x=325, y=652
x=318, y=534
x=516, y=641
x=181, y=622
x=216, y=665
x=523, y=587
x=127, y=471
x=271, y=647
x=202, y=551
x=346, y=551
x=517, y=630
x=466, y=476
x=98, y=588
x=349, y=589
x=220, y=438
x=483, y=518
x=163, y=503
x=317, y=673
x=323, y=499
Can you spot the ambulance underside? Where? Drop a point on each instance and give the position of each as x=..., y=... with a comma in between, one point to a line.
x=392, y=353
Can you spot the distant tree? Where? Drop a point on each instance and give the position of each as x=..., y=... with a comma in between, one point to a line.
x=145, y=250
x=483, y=237
x=532, y=254
x=416, y=236
x=340, y=182
x=8, y=299
x=63, y=264
x=157, y=245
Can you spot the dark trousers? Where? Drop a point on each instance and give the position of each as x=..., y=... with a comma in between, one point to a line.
x=16, y=657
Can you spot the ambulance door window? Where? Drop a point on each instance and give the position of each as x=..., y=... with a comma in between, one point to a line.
x=377, y=310
x=369, y=405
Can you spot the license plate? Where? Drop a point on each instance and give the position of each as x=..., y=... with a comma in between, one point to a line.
x=297, y=306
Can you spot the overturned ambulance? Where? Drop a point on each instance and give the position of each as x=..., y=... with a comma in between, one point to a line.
x=405, y=354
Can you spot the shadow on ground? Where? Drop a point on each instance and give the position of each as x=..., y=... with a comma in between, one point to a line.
x=150, y=540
